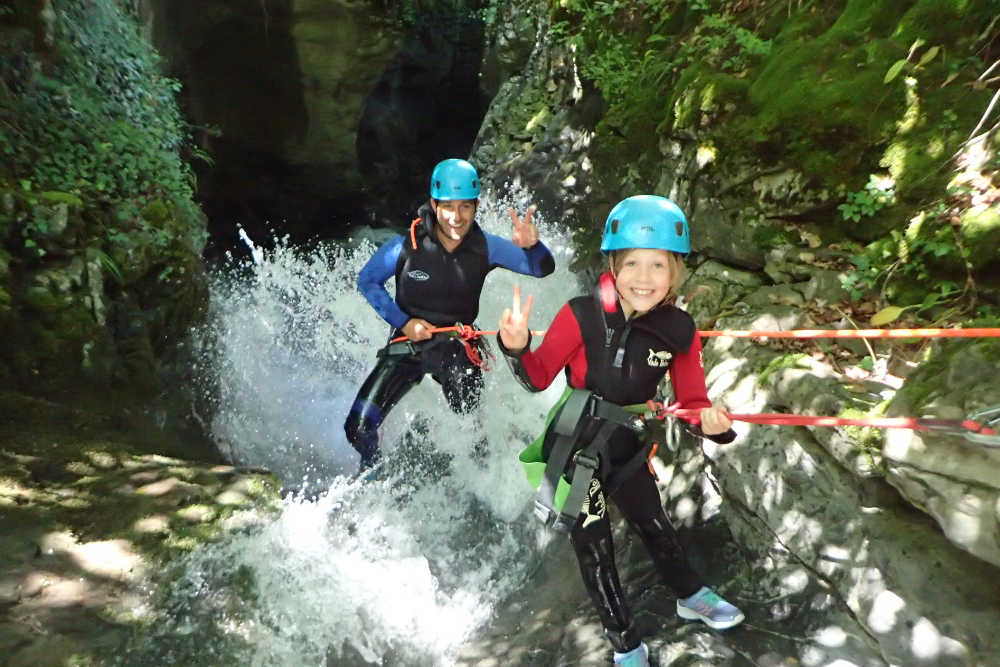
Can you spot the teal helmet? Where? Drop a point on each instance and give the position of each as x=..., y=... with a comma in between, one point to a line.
x=646, y=221
x=454, y=179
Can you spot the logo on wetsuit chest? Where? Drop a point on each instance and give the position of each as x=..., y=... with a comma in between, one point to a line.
x=659, y=359
x=418, y=275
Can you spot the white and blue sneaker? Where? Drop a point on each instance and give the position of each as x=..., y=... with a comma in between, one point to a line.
x=637, y=657
x=708, y=607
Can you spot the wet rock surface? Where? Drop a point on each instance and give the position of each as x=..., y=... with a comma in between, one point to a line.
x=87, y=518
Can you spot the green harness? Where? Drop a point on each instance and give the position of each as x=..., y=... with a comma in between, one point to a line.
x=559, y=501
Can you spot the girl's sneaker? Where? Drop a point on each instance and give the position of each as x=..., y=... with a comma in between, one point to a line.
x=637, y=657
x=707, y=606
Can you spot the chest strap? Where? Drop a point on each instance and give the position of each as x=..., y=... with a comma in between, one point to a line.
x=568, y=460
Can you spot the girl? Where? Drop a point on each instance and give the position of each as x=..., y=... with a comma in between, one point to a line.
x=616, y=346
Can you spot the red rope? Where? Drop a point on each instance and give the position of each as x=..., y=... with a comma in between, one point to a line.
x=857, y=333
x=658, y=411
x=780, y=419
x=837, y=333
x=466, y=334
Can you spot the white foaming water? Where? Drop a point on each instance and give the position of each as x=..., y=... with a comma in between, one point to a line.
x=398, y=571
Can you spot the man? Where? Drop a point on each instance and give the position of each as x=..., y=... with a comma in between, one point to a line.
x=439, y=269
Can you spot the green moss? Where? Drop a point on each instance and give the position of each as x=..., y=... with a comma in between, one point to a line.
x=808, y=104
x=936, y=20
x=865, y=438
x=156, y=212
x=769, y=235
x=779, y=363
x=701, y=91
x=803, y=25
x=863, y=19
x=41, y=300
x=981, y=232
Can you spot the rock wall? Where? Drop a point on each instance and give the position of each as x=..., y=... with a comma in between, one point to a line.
x=320, y=116
x=892, y=542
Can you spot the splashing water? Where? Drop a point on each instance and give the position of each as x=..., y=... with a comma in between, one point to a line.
x=398, y=571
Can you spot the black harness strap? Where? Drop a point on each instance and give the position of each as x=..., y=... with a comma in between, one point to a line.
x=593, y=459
x=567, y=429
x=590, y=459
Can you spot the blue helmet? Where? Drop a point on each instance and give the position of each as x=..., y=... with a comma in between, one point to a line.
x=646, y=221
x=454, y=179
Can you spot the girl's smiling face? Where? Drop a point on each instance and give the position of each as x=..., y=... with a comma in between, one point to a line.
x=643, y=278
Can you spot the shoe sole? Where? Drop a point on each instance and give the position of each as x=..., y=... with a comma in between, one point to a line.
x=691, y=615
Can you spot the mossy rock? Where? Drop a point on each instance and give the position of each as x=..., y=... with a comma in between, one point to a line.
x=935, y=21
x=809, y=103
x=953, y=368
x=930, y=130
x=981, y=231
x=701, y=92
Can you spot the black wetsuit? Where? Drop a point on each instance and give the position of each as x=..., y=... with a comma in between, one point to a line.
x=443, y=288
x=623, y=362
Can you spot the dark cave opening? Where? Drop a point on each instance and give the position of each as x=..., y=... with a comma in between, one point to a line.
x=246, y=92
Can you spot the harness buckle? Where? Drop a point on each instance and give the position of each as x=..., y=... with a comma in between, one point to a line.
x=545, y=514
x=550, y=518
x=586, y=460
x=399, y=348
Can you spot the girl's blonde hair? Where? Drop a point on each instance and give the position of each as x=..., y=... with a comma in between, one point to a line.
x=675, y=264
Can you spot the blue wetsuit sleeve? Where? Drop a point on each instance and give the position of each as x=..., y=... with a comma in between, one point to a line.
x=371, y=282
x=535, y=261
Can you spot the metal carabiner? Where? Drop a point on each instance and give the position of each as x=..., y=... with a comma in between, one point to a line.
x=988, y=418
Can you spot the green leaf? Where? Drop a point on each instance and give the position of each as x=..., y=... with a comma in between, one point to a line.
x=951, y=77
x=894, y=71
x=929, y=56
x=886, y=315
x=916, y=45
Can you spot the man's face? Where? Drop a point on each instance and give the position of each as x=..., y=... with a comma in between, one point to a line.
x=455, y=217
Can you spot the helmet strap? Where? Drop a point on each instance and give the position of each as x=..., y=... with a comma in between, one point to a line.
x=609, y=293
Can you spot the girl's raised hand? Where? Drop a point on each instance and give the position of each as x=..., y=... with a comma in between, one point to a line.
x=514, y=322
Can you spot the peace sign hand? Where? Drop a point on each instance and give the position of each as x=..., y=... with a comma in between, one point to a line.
x=525, y=233
x=514, y=323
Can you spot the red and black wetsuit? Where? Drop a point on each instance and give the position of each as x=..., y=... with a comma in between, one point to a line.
x=622, y=361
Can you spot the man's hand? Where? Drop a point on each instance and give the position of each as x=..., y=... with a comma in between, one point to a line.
x=514, y=323
x=417, y=329
x=525, y=233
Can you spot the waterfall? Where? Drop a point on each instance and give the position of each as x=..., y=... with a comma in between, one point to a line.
x=397, y=571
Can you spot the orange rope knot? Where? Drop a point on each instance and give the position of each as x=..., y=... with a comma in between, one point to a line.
x=466, y=334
